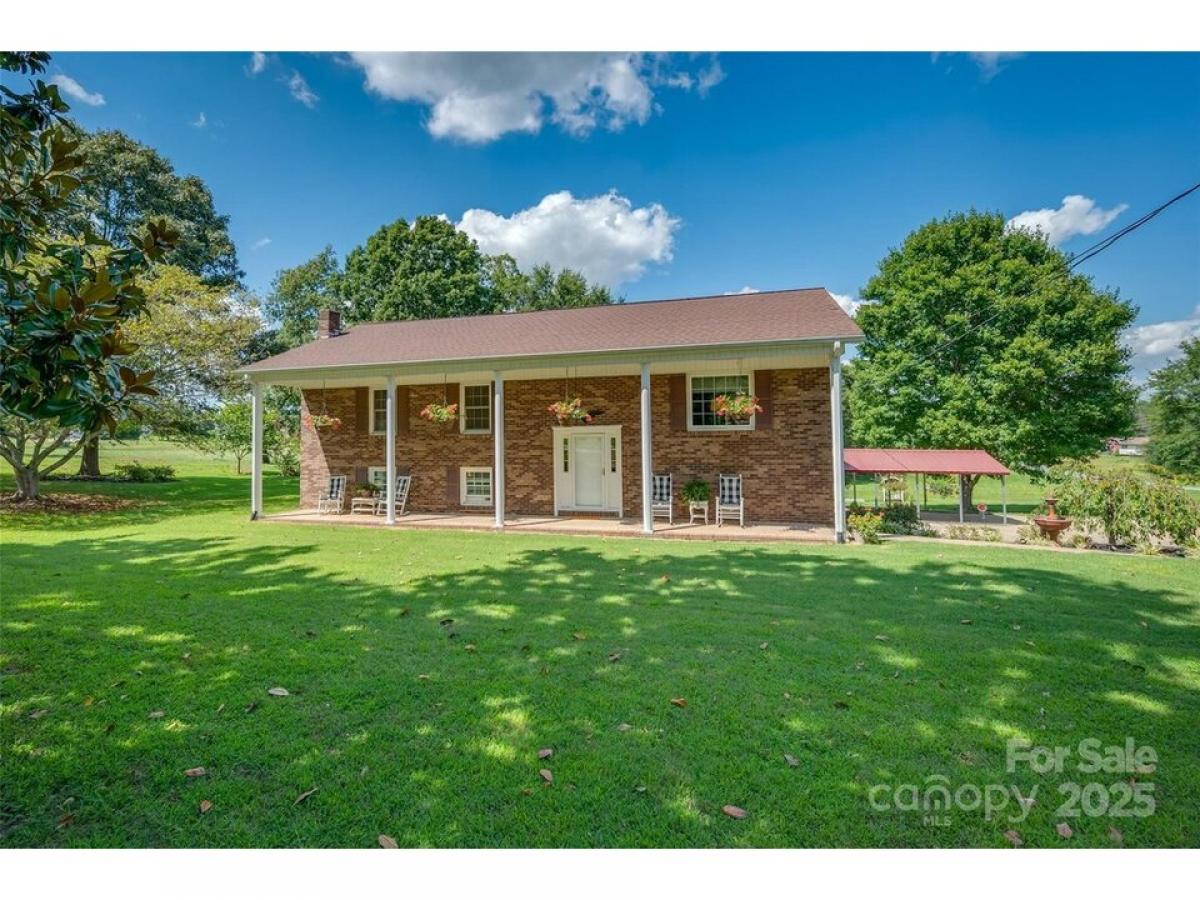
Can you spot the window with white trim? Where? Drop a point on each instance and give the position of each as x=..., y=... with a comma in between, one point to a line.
x=475, y=485
x=377, y=475
x=476, y=408
x=702, y=389
x=379, y=411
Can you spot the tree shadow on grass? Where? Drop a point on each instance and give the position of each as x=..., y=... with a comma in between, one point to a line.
x=426, y=671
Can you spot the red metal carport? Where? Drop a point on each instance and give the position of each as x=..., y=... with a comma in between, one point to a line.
x=898, y=461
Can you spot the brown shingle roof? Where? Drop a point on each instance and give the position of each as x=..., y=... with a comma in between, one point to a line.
x=808, y=314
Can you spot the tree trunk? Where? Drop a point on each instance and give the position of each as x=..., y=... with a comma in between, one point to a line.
x=89, y=459
x=28, y=483
x=968, y=482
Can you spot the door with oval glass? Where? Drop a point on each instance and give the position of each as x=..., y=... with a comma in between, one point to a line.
x=587, y=469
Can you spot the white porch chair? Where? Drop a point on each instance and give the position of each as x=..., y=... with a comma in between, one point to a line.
x=333, y=498
x=402, y=483
x=730, y=501
x=661, y=501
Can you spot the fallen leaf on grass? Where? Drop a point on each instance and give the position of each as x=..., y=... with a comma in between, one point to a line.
x=470, y=648
x=545, y=753
x=762, y=646
x=220, y=709
x=678, y=701
x=387, y=842
x=1013, y=838
x=1115, y=834
x=278, y=692
x=614, y=657
x=882, y=637
x=791, y=760
x=446, y=622
x=840, y=704
x=578, y=636
x=157, y=714
x=66, y=821
x=624, y=726
x=196, y=772
x=640, y=788
x=251, y=706
x=205, y=806
x=305, y=796
x=547, y=775
x=734, y=812
x=422, y=678
x=38, y=713
x=1064, y=830
x=965, y=622
x=666, y=578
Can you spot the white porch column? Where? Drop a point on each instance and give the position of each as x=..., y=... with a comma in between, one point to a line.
x=1003, y=502
x=390, y=455
x=647, y=458
x=256, y=449
x=498, y=438
x=839, y=467
x=961, y=496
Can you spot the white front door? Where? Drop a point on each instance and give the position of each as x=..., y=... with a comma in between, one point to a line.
x=587, y=469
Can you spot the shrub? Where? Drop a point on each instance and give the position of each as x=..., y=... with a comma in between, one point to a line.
x=135, y=471
x=1129, y=509
x=974, y=533
x=1171, y=513
x=1031, y=534
x=902, y=518
x=286, y=457
x=697, y=491
x=866, y=525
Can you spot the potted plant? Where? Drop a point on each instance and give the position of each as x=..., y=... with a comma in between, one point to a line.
x=567, y=411
x=366, y=489
x=323, y=421
x=440, y=413
x=696, y=494
x=737, y=407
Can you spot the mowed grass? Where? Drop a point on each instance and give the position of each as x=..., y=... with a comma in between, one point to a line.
x=427, y=669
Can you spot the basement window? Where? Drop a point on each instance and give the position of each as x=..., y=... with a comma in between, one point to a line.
x=475, y=485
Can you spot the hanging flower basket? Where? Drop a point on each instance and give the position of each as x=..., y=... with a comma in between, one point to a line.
x=737, y=407
x=440, y=413
x=323, y=422
x=566, y=411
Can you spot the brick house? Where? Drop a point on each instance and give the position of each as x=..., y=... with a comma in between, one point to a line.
x=647, y=374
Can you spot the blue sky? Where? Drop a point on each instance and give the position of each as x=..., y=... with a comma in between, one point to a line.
x=687, y=175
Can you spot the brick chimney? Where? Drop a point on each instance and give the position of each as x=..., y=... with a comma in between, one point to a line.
x=329, y=324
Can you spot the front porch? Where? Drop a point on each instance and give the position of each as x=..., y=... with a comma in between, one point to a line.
x=593, y=527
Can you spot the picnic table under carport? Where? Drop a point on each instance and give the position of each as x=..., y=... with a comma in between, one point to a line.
x=920, y=463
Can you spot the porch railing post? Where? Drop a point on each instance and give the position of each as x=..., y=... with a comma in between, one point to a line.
x=390, y=455
x=835, y=421
x=256, y=450
x=498, y=438
x=647, y=458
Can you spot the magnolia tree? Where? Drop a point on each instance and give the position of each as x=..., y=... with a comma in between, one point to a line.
x=66, y=302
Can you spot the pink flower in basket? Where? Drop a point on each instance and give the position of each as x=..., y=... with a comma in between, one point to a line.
x=440, y=412
x=565, y=411
x=736, y=407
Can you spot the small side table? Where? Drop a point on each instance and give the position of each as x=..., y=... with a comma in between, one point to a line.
x=364, y=504
x=697, y=509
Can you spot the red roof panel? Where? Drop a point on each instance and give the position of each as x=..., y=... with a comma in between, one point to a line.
x=928, y=462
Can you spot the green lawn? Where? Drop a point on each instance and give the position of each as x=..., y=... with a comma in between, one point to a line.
x=426, y=670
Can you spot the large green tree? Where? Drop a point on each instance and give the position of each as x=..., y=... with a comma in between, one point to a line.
x=64, y=354
x=541, y=287
x=420, y=271
x=1175, y=412
x=298, y=294
x=128, y=183
x=980, y=336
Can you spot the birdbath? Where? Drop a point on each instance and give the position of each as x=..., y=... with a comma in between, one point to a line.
x=1052, y=524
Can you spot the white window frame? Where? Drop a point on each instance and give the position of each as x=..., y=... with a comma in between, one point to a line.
x=463, y=499
x=462, y=408
x=372, y=471
x=382, y=430
x=691, y=426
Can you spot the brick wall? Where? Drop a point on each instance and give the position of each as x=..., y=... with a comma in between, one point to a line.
x=786, y=467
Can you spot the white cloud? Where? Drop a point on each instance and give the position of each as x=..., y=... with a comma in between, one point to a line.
x=258, y=62
x=1077, y=215
x=848, y=304
x=478, y=97
x=77, y=91
x=1152, y=345
x=990, y=62
x=300, y=90
x=200, y=121
x=260, y=243
x=605, y=237
x=745, y=290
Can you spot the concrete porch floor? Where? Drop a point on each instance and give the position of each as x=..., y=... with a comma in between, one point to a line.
x=564, y=525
